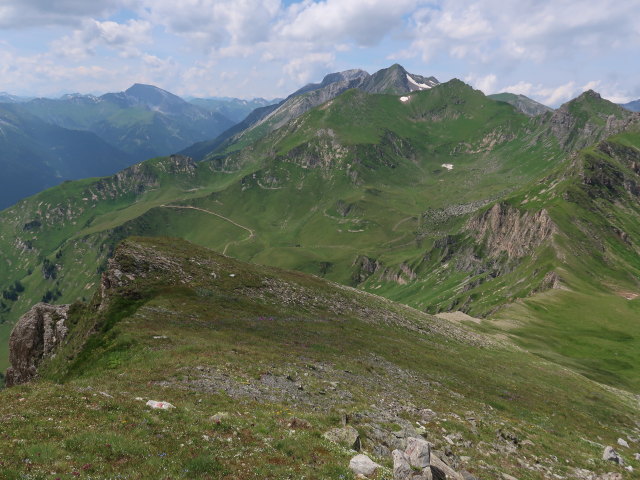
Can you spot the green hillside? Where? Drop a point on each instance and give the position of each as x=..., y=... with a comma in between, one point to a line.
x=442, y=199
x=259, y=363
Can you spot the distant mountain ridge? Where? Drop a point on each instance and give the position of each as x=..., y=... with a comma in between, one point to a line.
x=144, y=121
x=235, y=109
x=393, y=80
x=634, y=106
x=525, y=104
x=46, y=141
x=35, y=155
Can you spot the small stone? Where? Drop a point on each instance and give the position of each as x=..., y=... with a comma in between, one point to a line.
x=363, y=465
x=218, y=417
x=623, y=443
x=159, y=405
x=612, y=456
x=506, y=476
x=637, y=456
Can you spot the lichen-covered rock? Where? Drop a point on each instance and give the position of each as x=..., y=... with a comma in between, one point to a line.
x=34, y=338
x=347, y=436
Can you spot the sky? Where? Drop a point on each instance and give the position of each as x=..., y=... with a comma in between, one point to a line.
x=549, y=50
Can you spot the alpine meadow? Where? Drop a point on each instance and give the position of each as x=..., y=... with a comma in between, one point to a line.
x=380, y=275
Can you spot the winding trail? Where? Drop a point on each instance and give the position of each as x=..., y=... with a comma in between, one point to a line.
x=252, y=233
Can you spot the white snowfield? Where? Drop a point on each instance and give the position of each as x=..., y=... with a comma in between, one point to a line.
x=421, y=86
x=404, y=99
x=448, y=166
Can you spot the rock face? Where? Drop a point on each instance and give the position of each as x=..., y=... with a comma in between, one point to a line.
x=34, y=338
x=505, y=229
x=567, y=123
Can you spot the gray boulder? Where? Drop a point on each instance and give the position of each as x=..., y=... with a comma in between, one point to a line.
x=401, y=466
x=34, y=338
x=442, y=471
x=403, y=470
x=363, y=465
x=419, y=452
x=612, y=456
x=346, y=436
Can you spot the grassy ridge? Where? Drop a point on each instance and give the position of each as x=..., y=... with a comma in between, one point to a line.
x=363, y=176
x=264, y=346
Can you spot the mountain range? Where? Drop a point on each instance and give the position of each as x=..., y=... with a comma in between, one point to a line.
x=459, y=267
x=633, y=106
x=78, y=136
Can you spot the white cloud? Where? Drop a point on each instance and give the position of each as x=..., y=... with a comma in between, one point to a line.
x=271, y=47
x=215, y=23
x=16, y=14
x=490, y=30
x=520, y=88
x=127, y=38
x=486, y=83
x=304, y=68
x=365, y=22
x=555, y=95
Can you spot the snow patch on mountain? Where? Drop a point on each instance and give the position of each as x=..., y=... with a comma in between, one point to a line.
x=421, y=86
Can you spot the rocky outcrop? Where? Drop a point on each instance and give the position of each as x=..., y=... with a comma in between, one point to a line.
x=588, y=119
x=417, y=462
x=364, y=267
x=130, y=263
x=35, y=338
x=504, y=229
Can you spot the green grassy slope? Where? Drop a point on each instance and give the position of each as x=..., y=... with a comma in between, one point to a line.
x=264, y=346
x=591, y=323
x=357, y=191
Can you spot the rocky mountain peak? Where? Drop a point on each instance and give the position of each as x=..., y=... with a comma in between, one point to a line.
x=154, y=97
x=347, y=75
x=396, y=80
